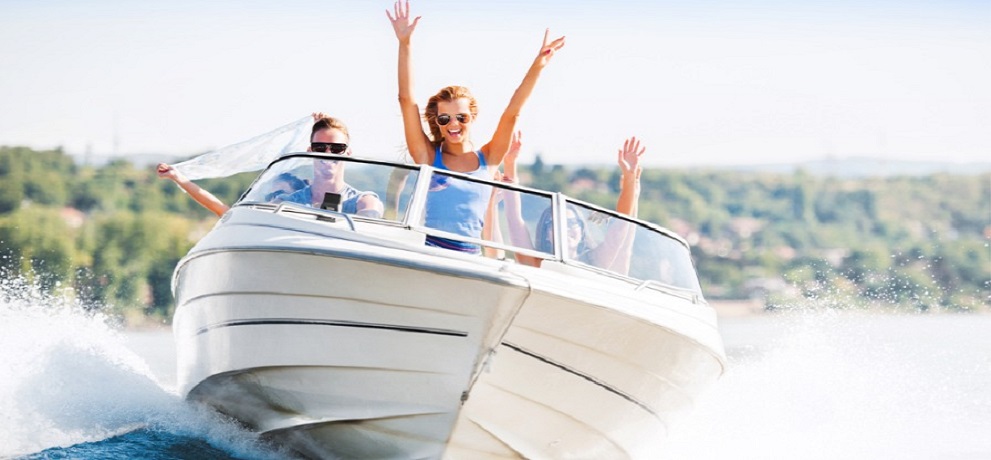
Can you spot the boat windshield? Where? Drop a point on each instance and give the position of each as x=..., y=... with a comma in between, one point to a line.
x=519, y=222
x=365, y=188
x=607, y=240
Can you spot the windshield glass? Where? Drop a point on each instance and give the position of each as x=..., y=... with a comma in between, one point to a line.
x=605, y=240
x=500, y=220
x=350, y=186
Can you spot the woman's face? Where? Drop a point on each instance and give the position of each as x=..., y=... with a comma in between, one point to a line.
x=574, y=229
x=454, y=120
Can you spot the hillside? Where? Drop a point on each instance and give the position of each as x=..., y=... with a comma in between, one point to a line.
x=111, y=234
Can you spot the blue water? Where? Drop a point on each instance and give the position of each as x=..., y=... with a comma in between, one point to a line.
x=815, y=385
x=142, y=443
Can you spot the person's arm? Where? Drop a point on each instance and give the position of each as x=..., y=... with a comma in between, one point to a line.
x=397, y=182
x=616, y=249
x=369, y=205
x=491, y=230
x=496, y=149
x=203, y=197
x=630, y=169
x=416, y=140
x=518, y=233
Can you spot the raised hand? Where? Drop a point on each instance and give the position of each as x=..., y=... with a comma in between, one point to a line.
x=400, y=22
x=629, y=157
x=548, y=49
x=166, y=171
x=514, y=148
x=317, y=116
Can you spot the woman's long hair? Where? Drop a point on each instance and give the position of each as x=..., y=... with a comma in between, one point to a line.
x=545, y=242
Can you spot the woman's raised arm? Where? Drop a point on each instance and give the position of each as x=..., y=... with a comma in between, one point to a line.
x=628, y=159
x=518, y=233
x=616, y=249
x=416, y=140
x=496, y=149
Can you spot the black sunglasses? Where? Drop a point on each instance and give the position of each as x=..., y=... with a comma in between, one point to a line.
x=444, y=118
x=332, y=147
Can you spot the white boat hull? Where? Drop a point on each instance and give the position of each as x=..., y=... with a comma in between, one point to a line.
x=333, y=354
x=573, y=379
x=338, y=347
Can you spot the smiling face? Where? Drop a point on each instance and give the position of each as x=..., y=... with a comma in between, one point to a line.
x=329, y=172
x=574, y=230
x=455, y=131
x=452, y=101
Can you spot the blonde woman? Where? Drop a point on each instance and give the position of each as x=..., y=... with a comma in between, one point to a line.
x=456, y=206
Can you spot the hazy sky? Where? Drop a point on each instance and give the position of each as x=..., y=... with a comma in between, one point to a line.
x=701, y=82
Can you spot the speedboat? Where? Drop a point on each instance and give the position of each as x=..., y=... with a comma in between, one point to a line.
x=342, y=335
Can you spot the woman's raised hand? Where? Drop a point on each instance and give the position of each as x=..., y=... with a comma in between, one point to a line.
x=400, y=22
x=629, y=157
x=514, y=148
x=548, y=49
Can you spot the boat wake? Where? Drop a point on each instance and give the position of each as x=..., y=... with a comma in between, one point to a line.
x=69, y=380
x=825, y=385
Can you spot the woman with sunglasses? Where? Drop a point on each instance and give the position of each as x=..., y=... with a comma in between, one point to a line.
x=456, y=206
x=614, y=251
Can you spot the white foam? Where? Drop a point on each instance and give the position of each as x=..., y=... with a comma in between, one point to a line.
x=66, y=377
x=849, y=385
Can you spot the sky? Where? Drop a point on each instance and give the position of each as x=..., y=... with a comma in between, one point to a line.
x=700, y=82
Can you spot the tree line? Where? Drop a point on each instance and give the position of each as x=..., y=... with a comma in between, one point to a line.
x=111, y=235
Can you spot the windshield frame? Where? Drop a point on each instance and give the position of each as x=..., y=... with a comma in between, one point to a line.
x=412, y=217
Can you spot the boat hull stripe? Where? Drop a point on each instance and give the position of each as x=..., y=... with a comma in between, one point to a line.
x=587, y=377
x=338, y=323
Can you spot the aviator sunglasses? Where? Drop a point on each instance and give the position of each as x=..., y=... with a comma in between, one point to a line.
x=444, y=118
x=332, y=147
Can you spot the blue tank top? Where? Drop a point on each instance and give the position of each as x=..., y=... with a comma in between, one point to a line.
x=456, y=205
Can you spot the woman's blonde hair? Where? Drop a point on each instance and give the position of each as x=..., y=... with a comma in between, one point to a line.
x=448, y=94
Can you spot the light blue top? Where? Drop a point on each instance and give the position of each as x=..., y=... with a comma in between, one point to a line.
x=349, y=198
x=456, y=205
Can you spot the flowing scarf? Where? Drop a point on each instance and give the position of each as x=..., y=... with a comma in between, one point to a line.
x=251, y=155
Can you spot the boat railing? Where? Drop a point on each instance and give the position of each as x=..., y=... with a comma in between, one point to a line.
x=557, y=228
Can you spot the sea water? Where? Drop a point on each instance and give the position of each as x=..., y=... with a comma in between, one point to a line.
x=804, y=385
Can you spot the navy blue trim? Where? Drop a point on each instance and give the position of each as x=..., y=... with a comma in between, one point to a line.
x=337, y=323
x=597, y=382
